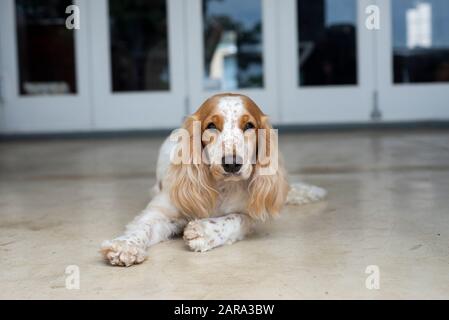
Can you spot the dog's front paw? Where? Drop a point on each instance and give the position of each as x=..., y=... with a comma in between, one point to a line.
x=121, y=253
x=197, y=236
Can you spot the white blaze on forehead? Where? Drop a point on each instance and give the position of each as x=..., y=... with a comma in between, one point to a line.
x=232, y=109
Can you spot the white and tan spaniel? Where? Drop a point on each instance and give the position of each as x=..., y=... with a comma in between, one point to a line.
x=227, y=178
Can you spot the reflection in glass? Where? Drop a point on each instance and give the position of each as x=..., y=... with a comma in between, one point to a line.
x=420, y=41
x=232, y=44
x=139, y=45
x=327, y=42
x=46, y=48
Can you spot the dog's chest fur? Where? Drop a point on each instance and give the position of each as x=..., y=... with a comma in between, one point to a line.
x=232, y=198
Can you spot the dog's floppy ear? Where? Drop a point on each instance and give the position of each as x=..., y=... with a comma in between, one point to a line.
x=191, y=184
x=268, y=187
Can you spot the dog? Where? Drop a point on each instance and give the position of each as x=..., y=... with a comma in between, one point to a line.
x=212, y=185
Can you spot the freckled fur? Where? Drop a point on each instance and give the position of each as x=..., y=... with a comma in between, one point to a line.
x=200, y=200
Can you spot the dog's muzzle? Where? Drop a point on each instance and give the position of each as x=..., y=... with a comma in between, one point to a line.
x=231, y=164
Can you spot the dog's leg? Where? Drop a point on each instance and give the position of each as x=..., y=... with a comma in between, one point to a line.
x=158, y=222
x=205, y=234
x=302, y=193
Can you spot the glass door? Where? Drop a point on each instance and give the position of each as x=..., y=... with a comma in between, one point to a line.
x=326, y=60
x=43, y=63
x=232, y=48
x=137, y=63
x=413, y=51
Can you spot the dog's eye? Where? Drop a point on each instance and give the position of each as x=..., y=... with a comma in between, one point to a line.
x=248, y=126
x=211, y=126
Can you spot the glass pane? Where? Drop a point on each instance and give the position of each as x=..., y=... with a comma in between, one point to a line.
x=232, y=44
x=46, y=48
x=139, y=45
x=327, y=42
x=420, y=41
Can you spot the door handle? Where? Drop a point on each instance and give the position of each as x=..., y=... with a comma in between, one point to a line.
x=2, y=89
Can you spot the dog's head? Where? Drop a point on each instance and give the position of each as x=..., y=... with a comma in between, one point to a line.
x=230, y=139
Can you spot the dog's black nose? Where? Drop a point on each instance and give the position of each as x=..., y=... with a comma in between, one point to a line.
x=231, y=164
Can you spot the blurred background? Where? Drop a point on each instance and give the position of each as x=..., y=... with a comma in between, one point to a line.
x=145, y=64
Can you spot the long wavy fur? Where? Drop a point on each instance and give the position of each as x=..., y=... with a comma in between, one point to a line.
x=192, y=189
x=267, y=192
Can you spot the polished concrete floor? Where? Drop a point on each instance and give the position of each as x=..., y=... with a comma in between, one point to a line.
x=388, y=207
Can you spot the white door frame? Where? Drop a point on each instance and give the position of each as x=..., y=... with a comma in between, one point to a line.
x=34, y=113
x=266, y=97
x=318, y=104
x=405, y=101
x=95, y=107
x=136, y=110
